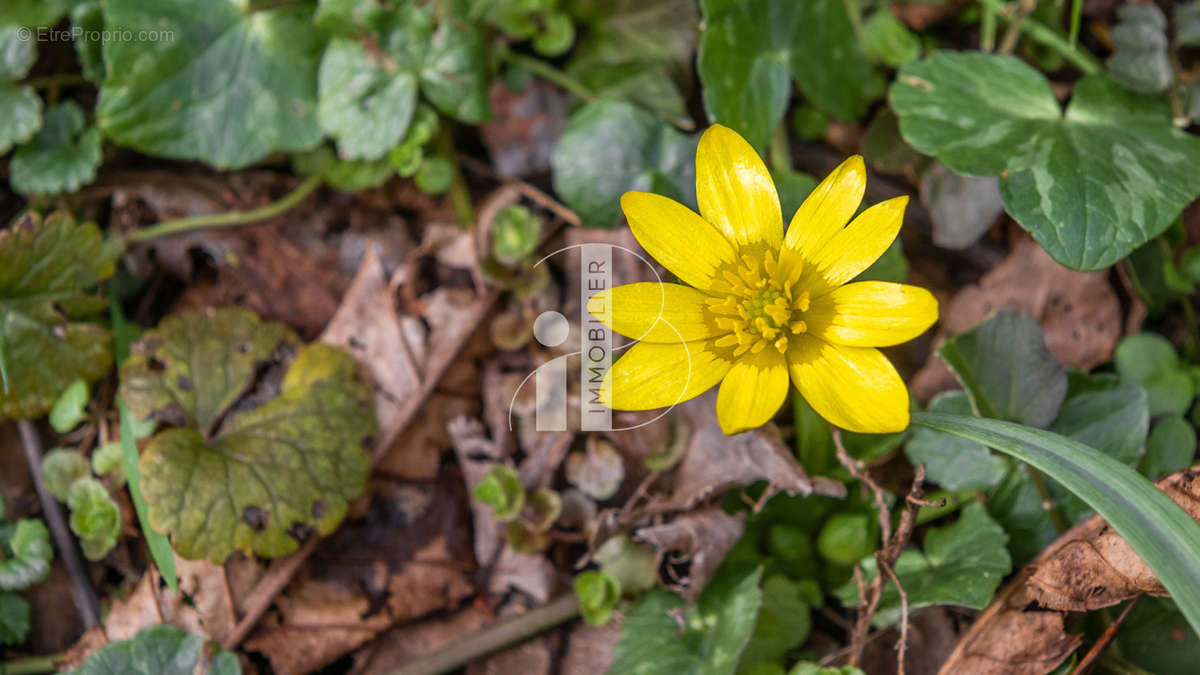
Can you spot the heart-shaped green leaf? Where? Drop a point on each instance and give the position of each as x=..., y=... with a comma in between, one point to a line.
x=45, y=267
x=62, y=157
x=221, y=82
x=160, y=650
x=1091, y=185
x=271, y=439
x=95, y=517
x=27, y=554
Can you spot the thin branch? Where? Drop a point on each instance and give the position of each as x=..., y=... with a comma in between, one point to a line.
x=1093, y=656
x=81, y=586
x=227, y=218
x=494, y=638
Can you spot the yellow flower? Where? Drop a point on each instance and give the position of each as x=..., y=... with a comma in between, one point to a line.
x=760, y=307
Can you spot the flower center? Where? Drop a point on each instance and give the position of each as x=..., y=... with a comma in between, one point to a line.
x=758, y=305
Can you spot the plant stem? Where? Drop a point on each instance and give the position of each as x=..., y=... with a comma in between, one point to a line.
x=1009, y=42
x=459, y=194
x=987, y=28
x=955, y=500
x=1048, y=505
x=506, y=633
x=81, y=586
x=33, y=665
x=1076, y=20
x=1045, y=35
x=780, y=151
x=228, y=218
x=549, y=72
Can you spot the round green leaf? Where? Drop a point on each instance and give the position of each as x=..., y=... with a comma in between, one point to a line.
x=45, y=265
x=1171, y=446
x=502, y=490
x=271, y=439
x=159, y=650
x=95, y=517
x=364, y=104
x=63, y=156
x=69, y=409
x=223, y=82
x=598, y=595
x=515, y=234
x=27, y=554
x=14, y=618
x=61, y=467
x=18, y=52
x=20, y=115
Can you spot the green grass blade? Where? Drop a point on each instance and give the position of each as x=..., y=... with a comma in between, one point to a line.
x=160, y=548
x=1161, y=532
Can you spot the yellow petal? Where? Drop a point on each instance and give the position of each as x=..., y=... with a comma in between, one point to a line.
x=683, y=242
x=855, y=388
x=827, y=208
x=752, y=391
x=656, y=375
x=871, y=314
x=655, y=312
x=734, y=190
x=853, y=249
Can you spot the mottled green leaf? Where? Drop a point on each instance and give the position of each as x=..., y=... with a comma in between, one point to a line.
x=223, y=82
x=61, y=467
x=365, y=104
x=1071, y=180
x=751, y=49
x=952, y=462
x=14, y=618
x=1140, y=37
x=1171, y=446
x=27, y=554
x=609, y=148
x=62, y=157
x=45, y=265
x=160, y=650
x=962, y=564
x=95, y=517
x=714, y=634
x=1007, y=371
x=271, y=438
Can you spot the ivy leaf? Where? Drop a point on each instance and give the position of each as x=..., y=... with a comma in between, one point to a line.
x=14, y=618
x=952, y=462
x=609, y=148
x=759, y=45
x=27, y=554
x=1070, y=180
x=962, y=564
x=712, y=638
x=1007, y=371
x=159, y=650
x=44, y=267
x=95, y=517
x=224, y=83
x=63, y=156
x=1140, y=37
x=269, y=436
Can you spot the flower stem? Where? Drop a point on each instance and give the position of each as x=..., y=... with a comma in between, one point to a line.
x=228, y=218
x=1040, y=33
x=508, y=632
x=33, y=665
x=549, y=72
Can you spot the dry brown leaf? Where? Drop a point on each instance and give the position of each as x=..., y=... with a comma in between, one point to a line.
x=525, y=128
x=533, y=657
x=1078, y=312
x=590, y=649
x=1024, y=629
x=405, y=643
x=703, y=537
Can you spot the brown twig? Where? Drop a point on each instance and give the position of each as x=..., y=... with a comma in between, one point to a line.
x=81, y=586
x=1089, y=660
x=885, y=557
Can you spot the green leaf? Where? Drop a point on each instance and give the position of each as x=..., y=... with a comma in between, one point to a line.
x=609, y=148
x=1067, y=179
x=33, y=12
x=45, y=265
x=345, y=175
x=501, y=489
x=61, y=467
x=815, y=669
x=888, y=41
x=783, y=623
x=1007, y=371
x=107, y=460
x=952, y=462
x=88, y=19
x=62, y=157
x=27, y=554
x=633, y=565
x=18, y=52
x=1162, y=533
x=95, y=517
x=272, y=438
x=1113, y=420
x=158, y=650
x=711, y=640
x=962, y=564
x=515, y=234
x=598, y=595
x=1156, y=637
x=14, y=618
x=1171, y=446
x=1150, y=360
x=224, y=83
x=1140, y=37
x=69, y=410
x=1187, y=24
x=365, y=104
x=1017, y=504
x=751, y=49
x=435, y=175
x=847, y=537
x=20, y=115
